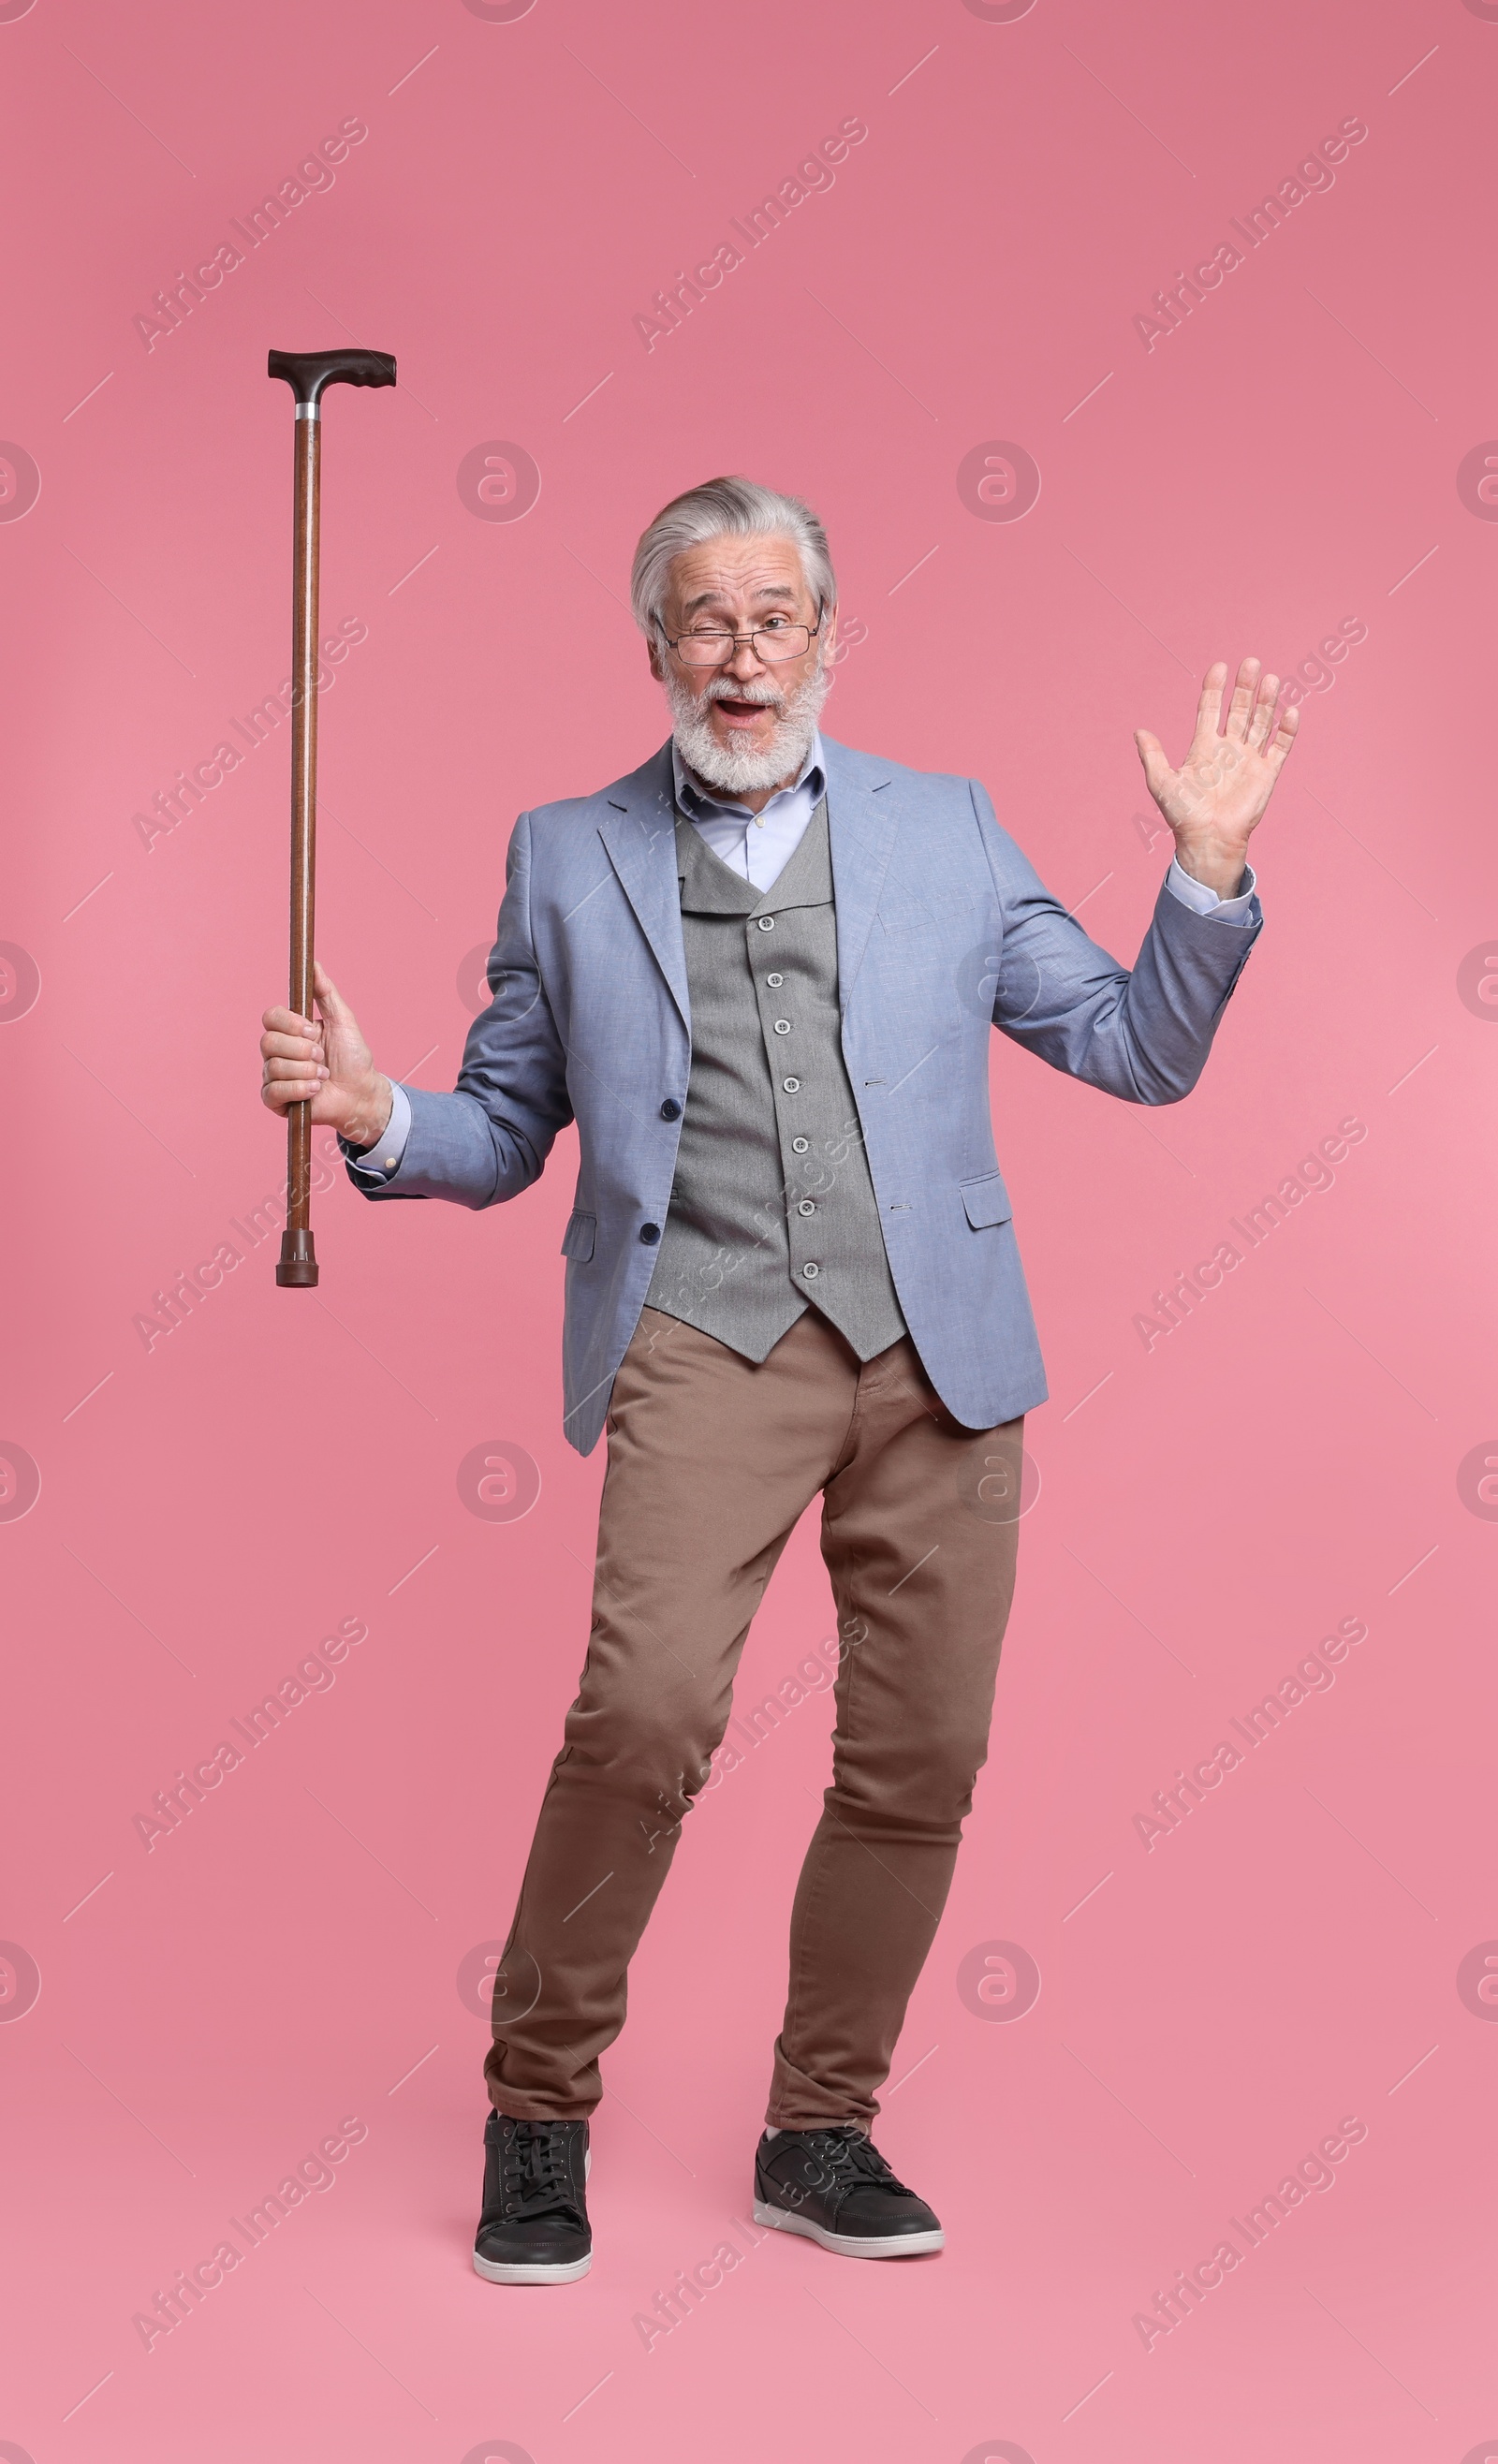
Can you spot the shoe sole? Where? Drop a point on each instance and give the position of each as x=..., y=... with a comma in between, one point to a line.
x=496, y=2270
x=851, y=2245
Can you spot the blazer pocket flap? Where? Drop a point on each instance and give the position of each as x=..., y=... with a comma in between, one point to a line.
x=577, y=1241
x=986, y=1200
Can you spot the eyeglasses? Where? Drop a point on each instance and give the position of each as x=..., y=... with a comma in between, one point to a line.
x=710, y=646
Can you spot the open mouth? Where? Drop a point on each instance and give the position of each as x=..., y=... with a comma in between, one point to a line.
x=742, y=714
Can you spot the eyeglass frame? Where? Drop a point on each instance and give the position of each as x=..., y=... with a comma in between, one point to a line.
x=811, y=631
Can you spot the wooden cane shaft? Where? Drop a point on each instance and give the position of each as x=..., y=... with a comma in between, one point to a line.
x=305, y=794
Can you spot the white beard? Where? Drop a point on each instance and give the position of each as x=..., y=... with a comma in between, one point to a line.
x=742, y=773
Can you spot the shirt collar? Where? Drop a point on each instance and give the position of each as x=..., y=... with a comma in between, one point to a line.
x=692, y=798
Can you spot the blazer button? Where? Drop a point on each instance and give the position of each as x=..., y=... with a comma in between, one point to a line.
x=766, y=923
x=649, y=1233
x=782, y=1026
x=811, y=1268
x=671, y=1109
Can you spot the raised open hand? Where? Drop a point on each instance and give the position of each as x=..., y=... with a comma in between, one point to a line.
x=1213, y=802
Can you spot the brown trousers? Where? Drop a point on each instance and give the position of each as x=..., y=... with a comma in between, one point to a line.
x=712, y=1462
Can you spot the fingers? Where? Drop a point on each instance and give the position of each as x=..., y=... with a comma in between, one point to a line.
x=1209, y=708
x=280, y=1101
x=303, y=1052
x=1260, y=723
x=1284, y=735
x=295, y=1063
x=1240, y=708
x=290, y=1038
x=287, y=1088
x=289, y=1068
x=280, y=1088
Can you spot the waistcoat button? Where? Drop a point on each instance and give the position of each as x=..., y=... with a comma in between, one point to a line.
x=766, y=923
x=782, y=1026
x=811, y=1268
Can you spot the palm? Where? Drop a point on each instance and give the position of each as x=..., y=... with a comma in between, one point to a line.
x=1215, y=800
x=347, y=1054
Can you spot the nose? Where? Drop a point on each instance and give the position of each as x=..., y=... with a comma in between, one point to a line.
x=745, y=664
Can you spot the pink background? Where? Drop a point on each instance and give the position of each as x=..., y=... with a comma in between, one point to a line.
x=1290, y=1456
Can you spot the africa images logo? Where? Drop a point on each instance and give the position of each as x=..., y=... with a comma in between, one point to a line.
x=499, y=480
x=673, y=303
x=998, y=480
x=1477, y=480
x=20, y=481
x=1175, y=302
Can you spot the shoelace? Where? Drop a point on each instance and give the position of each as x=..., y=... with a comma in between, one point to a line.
x=850, y=2158
x=536, y=2175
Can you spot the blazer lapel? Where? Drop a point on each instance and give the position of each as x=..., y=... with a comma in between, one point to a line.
x=863, y=819
x=639, y=835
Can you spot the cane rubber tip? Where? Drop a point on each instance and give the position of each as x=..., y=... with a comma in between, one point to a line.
x=296, y=1268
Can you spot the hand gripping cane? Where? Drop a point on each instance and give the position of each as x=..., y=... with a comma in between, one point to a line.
x=307, y=373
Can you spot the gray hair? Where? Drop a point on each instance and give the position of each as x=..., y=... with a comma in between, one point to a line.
x=741, y=508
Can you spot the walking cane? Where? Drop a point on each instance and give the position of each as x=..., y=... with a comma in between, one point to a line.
x=307, y=373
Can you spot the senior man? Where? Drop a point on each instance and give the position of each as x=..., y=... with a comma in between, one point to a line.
x=760, y=973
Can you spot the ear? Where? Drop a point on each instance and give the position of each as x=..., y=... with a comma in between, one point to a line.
x=653, y=653
x=829, y=632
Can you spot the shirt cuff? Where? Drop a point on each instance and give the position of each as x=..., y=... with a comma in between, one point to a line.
x=379, y=1161
x=1202, y=901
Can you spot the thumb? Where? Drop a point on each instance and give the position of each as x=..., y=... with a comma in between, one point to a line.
x=330, y=1000
x=1152, y=754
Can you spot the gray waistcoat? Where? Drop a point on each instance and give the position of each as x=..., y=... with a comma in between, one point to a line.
x=772, y=1206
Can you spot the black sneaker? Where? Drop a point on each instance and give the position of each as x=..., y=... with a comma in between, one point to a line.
x=534, y=2229
x=834, y=2186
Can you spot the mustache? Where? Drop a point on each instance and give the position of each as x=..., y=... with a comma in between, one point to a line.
x=723, y=689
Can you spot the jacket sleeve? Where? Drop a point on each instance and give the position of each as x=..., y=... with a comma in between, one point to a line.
x=489, y=1139
x=1144, y=1035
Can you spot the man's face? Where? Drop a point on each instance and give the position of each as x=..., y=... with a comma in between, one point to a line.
x=738, y=585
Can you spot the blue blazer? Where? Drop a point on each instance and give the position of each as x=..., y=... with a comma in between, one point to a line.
x=943, y=929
